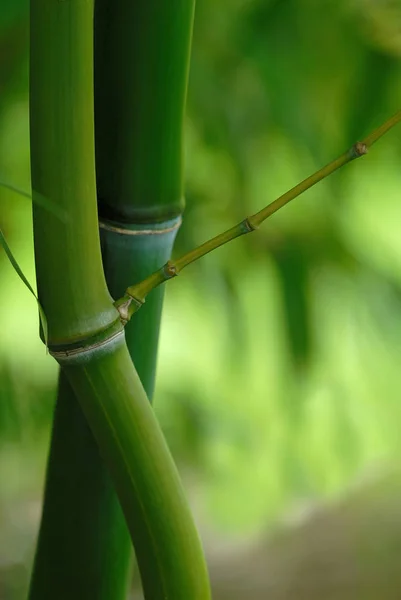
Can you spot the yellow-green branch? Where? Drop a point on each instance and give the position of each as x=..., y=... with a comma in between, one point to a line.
x=135, y=295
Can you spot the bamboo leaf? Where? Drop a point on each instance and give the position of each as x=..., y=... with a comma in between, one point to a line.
x=12, y=188
x=21, y=275
x=39, y=199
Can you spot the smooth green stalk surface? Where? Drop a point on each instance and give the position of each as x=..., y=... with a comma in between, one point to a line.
x=136, y=251
x=80, y=500
x=167, y=547
x=142, y=51
x=135, y=295
x=80, y=514
x=141, y=70
x=85, y=333
x=75, y=300
x=83, y=550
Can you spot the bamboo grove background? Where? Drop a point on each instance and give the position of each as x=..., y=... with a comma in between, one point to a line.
x=278, y=376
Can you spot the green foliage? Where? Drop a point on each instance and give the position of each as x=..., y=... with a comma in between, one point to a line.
x=17, y=269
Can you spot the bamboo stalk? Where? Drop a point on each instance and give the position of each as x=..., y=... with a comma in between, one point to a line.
x=78, y=504
x=80, y=501
x=135, y=251
x=139, y=107
x=76, y=302
x=85, y=333
x=83, y=548
x=142, y=52
x=135, y=451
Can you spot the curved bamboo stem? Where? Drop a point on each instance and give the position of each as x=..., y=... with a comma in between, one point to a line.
x=122, y=420
x=142, y=54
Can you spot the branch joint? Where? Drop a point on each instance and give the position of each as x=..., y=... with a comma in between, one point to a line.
x=127, y=306
x=247, y=225
x=170, y=270
x=358, y=149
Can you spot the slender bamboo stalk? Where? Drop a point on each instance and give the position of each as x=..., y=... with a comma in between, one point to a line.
x=61, y=127
x=80, y=501
x=84, y=328
x=142, y=55
x=68, y=563
x=135, y=251
x=135, y=295
x=83, y=548
x=131, y=444
x=139, y=107
x=142, y=51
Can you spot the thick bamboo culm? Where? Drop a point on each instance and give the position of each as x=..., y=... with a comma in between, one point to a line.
x=84, y=547
x=139, y=162
x=86, y=337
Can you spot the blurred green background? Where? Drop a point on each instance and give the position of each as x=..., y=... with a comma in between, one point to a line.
x=279, y=363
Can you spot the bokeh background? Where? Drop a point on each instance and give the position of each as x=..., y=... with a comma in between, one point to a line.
x=279, y=377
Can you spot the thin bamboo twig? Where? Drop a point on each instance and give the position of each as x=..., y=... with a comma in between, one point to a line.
x=135, y=295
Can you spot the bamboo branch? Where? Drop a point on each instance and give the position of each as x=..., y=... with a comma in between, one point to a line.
x=135, y=295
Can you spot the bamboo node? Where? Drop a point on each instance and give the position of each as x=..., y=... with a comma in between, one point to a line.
x=170, y=269
x=359, y=149
x=63, y=355
x=123, y=310
x=248, y=226
x=108, y=226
